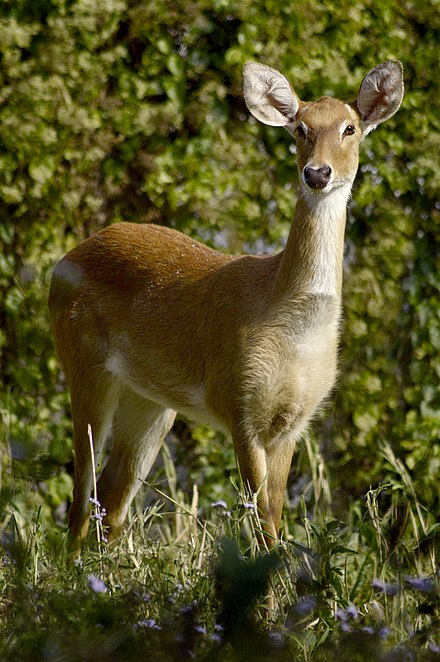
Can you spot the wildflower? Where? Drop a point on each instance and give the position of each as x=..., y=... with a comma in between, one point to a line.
x=422, y=584
x=352, y=612
x=222, y=507
x=345, y=616
x=383, y=587
x=7, y=559
x=305, y=606
x=150, y=623
x=200, y=629
x=98, y=516
x=341, y=615
x=384, y=632
x=219, y=504
x=96, y=584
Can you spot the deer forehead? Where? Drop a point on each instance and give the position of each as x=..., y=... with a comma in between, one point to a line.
x=327, y=114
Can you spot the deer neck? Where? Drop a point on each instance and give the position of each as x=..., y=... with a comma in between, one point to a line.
x=311, y=263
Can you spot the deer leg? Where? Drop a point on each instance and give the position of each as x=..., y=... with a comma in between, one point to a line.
x=252, y=461
x=279, y=460
x=265, y=472
x=96, y=412
x=139, y=429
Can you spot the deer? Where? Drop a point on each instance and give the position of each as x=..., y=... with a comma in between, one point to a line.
x=149, y=322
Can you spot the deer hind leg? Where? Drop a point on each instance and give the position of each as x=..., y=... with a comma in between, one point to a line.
x=93, y=404
x=139, y=429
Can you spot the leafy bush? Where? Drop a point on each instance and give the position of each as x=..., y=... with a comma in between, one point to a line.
x=133, y=111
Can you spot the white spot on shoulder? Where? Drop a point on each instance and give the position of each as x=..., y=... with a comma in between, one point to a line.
x=69, y=273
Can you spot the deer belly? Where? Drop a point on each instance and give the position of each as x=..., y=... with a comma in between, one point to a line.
x=186, y=399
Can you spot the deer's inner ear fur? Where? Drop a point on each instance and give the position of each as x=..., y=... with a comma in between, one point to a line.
x=380, y=94
x=268, y=95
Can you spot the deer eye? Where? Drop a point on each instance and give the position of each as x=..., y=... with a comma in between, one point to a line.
x=349, y=130
x=301, y=131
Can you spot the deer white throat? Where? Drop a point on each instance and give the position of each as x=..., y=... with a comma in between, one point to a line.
x=316, y=242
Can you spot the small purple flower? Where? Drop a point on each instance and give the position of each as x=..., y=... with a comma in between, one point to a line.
x=341, y=615
x=219, y=504
x=96, y=584
x=422, y=584
x=200, y=629
x=149, y=623
x=249, y=506
x=352, y=612
x=383, y=587
x=305, y=606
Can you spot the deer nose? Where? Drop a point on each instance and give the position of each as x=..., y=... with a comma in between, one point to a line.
x=317, y=177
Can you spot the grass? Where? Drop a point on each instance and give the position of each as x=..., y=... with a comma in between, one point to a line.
x=188, y=583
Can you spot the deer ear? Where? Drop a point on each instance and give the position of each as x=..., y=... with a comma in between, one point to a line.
x=380, y=94
x=268, y=95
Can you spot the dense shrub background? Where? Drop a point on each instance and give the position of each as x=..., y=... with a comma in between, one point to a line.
x=133, y=110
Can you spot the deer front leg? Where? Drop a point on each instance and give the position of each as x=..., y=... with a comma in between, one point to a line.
x=279, y=460
x=265, y=471
x=252, y=462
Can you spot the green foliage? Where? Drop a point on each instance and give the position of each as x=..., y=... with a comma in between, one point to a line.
x=181, y=585
x=130, y=110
